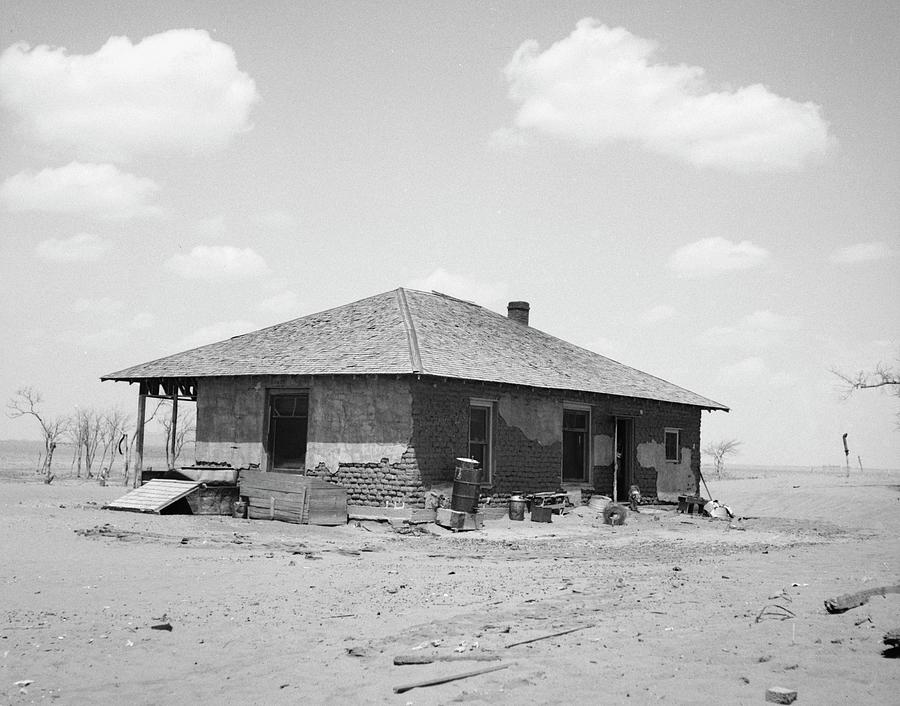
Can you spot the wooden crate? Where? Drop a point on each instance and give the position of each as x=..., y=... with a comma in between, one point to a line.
x=213, y=499
x=293, y=498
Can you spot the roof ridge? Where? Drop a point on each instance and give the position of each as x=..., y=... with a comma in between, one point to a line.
x=415, y=356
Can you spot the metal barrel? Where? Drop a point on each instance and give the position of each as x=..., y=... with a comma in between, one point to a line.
x=465, y=496
x=517, y=508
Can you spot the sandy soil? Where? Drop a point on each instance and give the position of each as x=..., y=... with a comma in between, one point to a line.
x=270, y=613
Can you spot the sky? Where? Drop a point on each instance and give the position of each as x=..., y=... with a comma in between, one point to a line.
x=706, y=191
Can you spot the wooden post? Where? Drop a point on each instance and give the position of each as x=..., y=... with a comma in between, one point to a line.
x=139, y=432
x=174, y=427
x=615, y=461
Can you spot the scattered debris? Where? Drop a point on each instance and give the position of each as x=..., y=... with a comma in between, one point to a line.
x=780, y=695
x=23, y=682
x=162, y=626
x=443, y=680
x=547, y=637
x=892, y=638
x=842, y=604
x=776, y=612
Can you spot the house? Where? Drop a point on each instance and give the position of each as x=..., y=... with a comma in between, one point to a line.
x=383, y=394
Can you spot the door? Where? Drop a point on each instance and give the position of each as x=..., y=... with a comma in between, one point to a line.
x=575, y=445
x=286, y=443
x=624, y=457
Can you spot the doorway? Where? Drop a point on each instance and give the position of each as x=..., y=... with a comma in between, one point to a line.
x=575, y=445
x=288, y=416
x=624, y=457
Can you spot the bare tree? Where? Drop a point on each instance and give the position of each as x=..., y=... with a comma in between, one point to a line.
x=719, y=450
x=87, y=432
x=882, y=376
x=114, y=426
x=184, y=430
x=26, y=403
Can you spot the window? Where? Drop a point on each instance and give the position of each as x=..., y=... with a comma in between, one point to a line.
x=480, y=423
x=287, y=431
x=673, y=445
x=575, y=445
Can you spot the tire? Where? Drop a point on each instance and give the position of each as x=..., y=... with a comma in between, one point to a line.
x=614, y=514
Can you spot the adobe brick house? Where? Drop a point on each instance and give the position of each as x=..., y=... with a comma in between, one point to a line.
x=383, y=394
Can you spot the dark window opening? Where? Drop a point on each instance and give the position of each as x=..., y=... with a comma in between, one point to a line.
x=575, y=445
x=672, y=452
x=287, y=432
x=480, y=438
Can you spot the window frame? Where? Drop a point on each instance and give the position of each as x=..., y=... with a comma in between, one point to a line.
x=677, y=433
x=488, y=406
x=588, y=459
x=272, y=394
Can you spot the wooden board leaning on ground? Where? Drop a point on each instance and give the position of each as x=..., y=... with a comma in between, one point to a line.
x=293, y=498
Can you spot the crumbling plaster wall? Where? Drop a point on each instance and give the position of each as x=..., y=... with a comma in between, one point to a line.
x=655, y=476
x=351, y=419
x=230, y=420
x=673, y=478
x=527, y=432
x=358, y=420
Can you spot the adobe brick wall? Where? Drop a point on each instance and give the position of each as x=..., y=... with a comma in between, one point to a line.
x=527, y=425
x=379, y=484
x=650, y=420
x=441, y=435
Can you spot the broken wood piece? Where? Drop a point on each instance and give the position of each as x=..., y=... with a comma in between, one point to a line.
x=401, y=660
x=547, y=637
x=443, y=680
x=842, y=604
x=773, y=610
x=780, y=695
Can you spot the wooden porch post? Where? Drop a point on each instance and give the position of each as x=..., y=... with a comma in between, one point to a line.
x=615, y=488
x=174, y=427
x=139, y=432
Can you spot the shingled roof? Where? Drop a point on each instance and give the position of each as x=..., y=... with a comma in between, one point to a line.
x=406, y=331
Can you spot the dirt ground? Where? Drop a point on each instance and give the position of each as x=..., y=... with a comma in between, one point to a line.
x=269, y=613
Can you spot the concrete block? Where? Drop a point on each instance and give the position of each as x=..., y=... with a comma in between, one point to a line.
x=780, y=695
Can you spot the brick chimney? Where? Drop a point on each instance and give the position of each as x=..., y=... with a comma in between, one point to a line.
x=518, y=311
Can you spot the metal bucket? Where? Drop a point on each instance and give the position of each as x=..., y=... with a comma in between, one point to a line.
x=517, y=506
x=465, y=496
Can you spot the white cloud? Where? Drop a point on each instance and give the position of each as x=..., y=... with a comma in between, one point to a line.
x=102, y=306
x=490, y=295
x=284, y=305
x=656, y=314
x=83, y=247
x=755, y=331
x=177, y=91
x=143, y=320
x=98, y=190
x=214, y=262
x=862, y=252
x=753, y=371
x=713, y=256
x=213, y=333
x=601, y=84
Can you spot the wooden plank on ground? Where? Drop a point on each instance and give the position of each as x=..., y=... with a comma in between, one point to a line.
x=154, y=496
x=380, y=514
